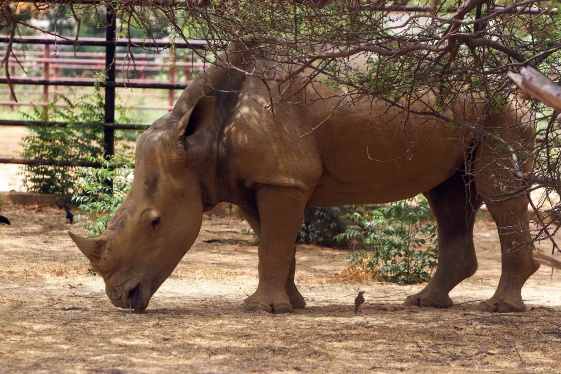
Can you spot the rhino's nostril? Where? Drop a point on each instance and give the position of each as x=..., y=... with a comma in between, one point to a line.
x=134, y=293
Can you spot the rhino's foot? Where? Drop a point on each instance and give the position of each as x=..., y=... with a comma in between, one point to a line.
x=271, y=308
x=296, y=299
x=264, y=301
x=426, y=299
x=495, y=304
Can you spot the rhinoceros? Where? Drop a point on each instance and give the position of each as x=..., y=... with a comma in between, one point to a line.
x=275, y=147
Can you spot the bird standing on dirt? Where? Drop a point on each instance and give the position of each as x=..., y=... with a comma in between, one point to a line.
x=359, y=301
x=4, y=220
x=69, y=215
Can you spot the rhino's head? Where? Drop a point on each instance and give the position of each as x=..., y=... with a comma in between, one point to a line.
x=162, y=213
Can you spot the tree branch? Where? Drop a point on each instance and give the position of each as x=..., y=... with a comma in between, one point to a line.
x=538, y=86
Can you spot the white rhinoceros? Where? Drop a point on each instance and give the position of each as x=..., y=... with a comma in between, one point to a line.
x=223, y=141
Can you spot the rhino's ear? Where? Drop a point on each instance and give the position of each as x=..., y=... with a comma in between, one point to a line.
x=198, y=118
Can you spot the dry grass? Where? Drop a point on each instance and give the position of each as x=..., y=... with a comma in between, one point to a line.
x=56, y=318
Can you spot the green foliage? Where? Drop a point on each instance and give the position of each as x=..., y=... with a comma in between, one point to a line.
x=398, y=241
x=100, y=78
x=78, y=141
x=98, y=197
x=321, y=225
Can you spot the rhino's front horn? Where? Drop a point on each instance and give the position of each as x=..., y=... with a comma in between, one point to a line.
x=92, y=248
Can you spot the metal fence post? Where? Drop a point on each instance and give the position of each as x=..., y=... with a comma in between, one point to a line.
x=110, y=51
x=110, y=69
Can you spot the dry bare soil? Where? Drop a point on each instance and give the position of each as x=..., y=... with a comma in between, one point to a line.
x=54, y=317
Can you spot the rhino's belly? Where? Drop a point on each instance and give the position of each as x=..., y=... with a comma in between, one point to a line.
x=372, y=172
x=383, y=188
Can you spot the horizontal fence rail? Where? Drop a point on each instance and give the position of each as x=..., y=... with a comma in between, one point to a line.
x=79, y=82
x=98, y=42
x=116, y=126
x=27, y=161
x=132, y=69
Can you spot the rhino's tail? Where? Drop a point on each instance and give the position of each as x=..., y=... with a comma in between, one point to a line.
x=546, y=259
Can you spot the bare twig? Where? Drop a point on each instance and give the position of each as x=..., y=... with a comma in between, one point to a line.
x=7, y=12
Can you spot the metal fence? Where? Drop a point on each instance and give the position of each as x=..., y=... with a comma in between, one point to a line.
x=69, y=65
x=109, y=59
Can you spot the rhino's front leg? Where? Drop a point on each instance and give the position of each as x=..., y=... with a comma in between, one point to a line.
x=296, y=299
x=281, y=211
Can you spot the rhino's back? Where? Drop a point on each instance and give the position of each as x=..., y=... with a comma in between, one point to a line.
x=375, y=154
x=360, y=153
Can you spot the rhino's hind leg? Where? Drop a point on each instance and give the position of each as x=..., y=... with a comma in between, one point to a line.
x=281, y=211
x=516, y=254
x=454, y=204
x=506, y=200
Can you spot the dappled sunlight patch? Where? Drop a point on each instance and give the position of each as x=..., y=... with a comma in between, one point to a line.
x=357, y=273
x=131, y=342
x=210, y=274
x=47, y=271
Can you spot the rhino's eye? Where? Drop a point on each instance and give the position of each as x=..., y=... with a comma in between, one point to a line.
x=155, y=222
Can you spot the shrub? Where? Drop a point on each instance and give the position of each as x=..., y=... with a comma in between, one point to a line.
x=74, y=142
x=393, y=239
x=321, y=225
x=79, y=141
x=97, y=197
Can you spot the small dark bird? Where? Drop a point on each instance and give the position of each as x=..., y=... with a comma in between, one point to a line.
x=69, y=215
x=4, y=220
x=359, y=301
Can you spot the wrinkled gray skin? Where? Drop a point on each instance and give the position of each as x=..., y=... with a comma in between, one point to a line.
x=222, y=142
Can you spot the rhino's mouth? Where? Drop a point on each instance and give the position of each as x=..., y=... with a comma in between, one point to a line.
x=135, y=301
x=134, y=295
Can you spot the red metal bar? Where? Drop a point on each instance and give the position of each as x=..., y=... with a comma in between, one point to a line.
x=26, y=161
x=116, y=126
x=121, y=64
x=80, y=82
x=98, y=55
x=99, y=42
x=56, y=59
x=41, y=103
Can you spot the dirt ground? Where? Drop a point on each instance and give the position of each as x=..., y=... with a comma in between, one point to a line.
x=54, y=317
x=10, y=139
